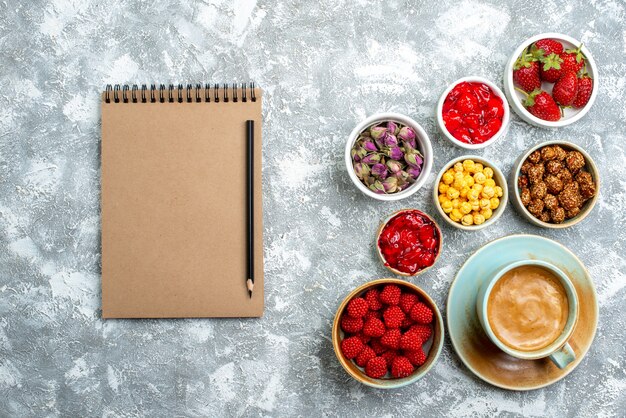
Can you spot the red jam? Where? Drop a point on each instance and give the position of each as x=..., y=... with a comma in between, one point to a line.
x=409, y=242
x=472, y=112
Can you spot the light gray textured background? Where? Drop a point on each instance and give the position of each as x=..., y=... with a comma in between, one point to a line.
x=324, y=67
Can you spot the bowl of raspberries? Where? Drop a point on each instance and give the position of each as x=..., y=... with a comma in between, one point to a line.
x=551, y=80
x=555, y=184
x=387, y=333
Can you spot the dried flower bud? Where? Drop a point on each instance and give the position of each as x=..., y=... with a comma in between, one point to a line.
x=414, y=172
x=391, y=140
x=371, y=158
x=377, y=132
x=402, y=175
x=369, y=145
x=390, y=184
x=392, y=128
x=394, y=166
x=377, y=187
x=407, y=134
x=380, y=171
x=395, y=153
x=413, y=159
x=361, y=170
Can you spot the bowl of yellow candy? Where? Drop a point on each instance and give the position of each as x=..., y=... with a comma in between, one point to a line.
x=470, y=192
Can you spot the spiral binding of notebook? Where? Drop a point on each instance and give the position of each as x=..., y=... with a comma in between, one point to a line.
x=125, y=93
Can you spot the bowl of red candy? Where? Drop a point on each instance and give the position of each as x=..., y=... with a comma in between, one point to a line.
x=551, y=80
x=387, y=333
x=473, y=113
x=409, y=242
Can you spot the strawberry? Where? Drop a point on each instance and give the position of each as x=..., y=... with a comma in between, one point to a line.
x=547, y=47
x=526, y=73
x=573, y=60
x=540, y=104
x=565, y=89
x=585, y=88
x=550, y=70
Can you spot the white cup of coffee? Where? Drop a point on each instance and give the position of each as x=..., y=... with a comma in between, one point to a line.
x=529, y=310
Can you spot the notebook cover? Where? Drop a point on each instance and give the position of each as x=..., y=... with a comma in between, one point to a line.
x=173, y=209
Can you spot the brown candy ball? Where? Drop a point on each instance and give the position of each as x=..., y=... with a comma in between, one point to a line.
x=565, y=176
x=535, y=157
x=561, y=154
x=551, y=202
x=525, y=166
x=522, y=182
x=535, y=173
x=555, y=185
x=553, y=166
x=548, y=153
x=538, y=190
x=587, y=190
x=570, y=197
x=525, y=196
x=544, y=216
x=584, y=177
x=536, y=207
x=557, y=215
x=569, y=214
x=575, y=161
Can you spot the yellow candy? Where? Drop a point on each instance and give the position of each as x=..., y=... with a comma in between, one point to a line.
x=490, y=183
x=458, y=167
x=447, y=206
x=458, y=184
x=456, y=215
x=456, y=203
x=443, y=187
x=475, y=205
x=478, y=219
x=469, y=180
x=473, y=194
x=443, y=198
x=488, y=172
x=464, y=190
x=447, y=178
x=452, y=193
x=465, y=208
x=467, y=220
x=498, y=191
x=478, y=187
x=480, y=178
x=486, y=213
x=488, y=192
x=485, y=203
x=478, y=167
x=495, y=202
x=468, y=165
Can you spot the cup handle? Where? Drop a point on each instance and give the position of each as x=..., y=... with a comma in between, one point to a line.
x=564, y=356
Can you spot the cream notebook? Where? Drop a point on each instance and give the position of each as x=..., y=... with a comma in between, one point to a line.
x=174, y=201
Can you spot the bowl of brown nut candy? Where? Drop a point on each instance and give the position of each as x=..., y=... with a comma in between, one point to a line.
x=554, y=184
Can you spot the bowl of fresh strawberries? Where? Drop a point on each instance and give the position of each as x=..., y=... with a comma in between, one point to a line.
x=551, y=80
x=387, y=333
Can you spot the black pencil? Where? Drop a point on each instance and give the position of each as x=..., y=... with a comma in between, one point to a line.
x=250, y=204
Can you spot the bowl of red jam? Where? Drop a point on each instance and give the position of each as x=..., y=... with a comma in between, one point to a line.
x=473, y=113
x=409, y=242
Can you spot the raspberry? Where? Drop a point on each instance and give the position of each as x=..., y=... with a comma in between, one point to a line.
x=390, y=294
x=416, y=357
x=423, y=331
x=351, y=325
x=372, y=314
x=389, y=355
x=411, y=341
x=363, y=338
x=376, y=368
x=401, y=367
x=407, y=323
x=373, y=298
x=421, y=313
x=393, y=316
x=378, y=347
x=373, y=327
x=364, y=356
x=407, y=300
x=391, y=339
x=358, y=307
x=352, y=347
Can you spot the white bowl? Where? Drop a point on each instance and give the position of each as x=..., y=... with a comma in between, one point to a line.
x=571, y=115
x=423, y=144
x=497, y=176
x=505, y=118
